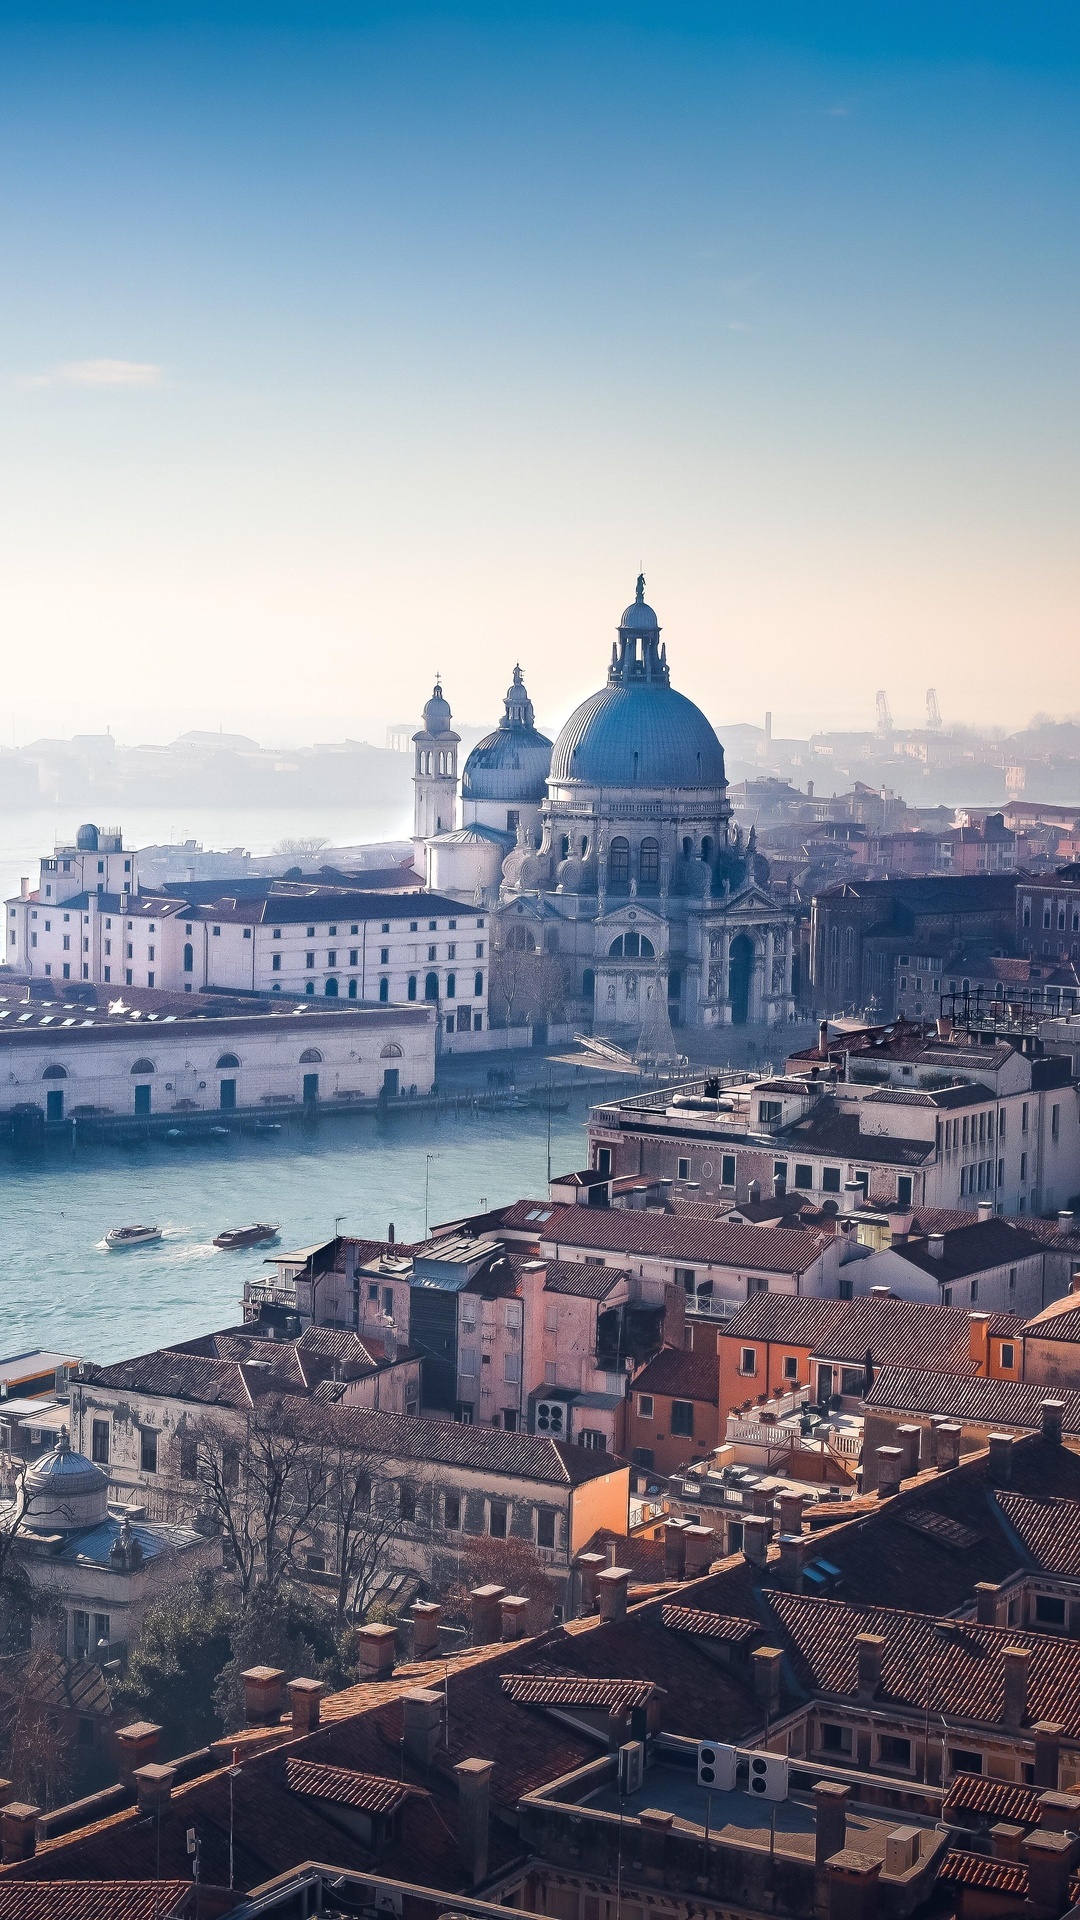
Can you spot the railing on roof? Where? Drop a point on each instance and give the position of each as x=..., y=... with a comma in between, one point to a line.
x=663, y=1096
x=711, y=1306
x=263, y=1293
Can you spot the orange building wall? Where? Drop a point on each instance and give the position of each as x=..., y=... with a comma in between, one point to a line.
x=737, y=1387
x=670, y=1451
x=603, y=1502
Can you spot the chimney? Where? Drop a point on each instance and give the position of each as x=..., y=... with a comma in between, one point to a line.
x=589, y=1566
x=513, y=1608
x=765, y=1664
x=793, y=1550
x=985, y=1210
x=830, y=1819
x=675, y=1549
x=154, y=1786
x=1047, y=1752
x=1065, y=1220
x=947, y=1445
x=1016, y=1662
x=700, y=1545
x=390, y=1234
x=18, y=1830
x=986, y=1603
x=138, y=1744
x=422, y=1710
x=753, y=1193
x=1006, y=1841
x=474, y=1793
x=979, y=1339
x=871, y=1652
x=823, y=1038
x=909, y=1438
x=755, y=1536
x=779, y=1186
x=999, y=1466
x=853, y=1885
x=890, y=1470
x=1049, y=1858
x=484, y=1608
x=304, y=1698
x=789, y=1511
x=935, y=1246
x=944, y=1026
x=376, y=1646
x=425, y=1629
x=24, y=886
x=1053, y=1416
x=611, y=1585
x=1059, y=1812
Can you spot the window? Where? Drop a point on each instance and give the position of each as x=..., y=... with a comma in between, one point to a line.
x=354, y=956
x=384, y=990
x=974, y=1291
x=432, y=953
x=1055, y=1118
x=407, y=1501
x=452, y=1512
x=478, y=986
x=963, y=1760
x=768, y=1111
x=1023, y=1166
x=1008, y=1351
x=603, y=1160
x=148, y=1450
x=411, y=989
x=791, y=1366
x=619, y=863
x=497, y=1519
x=727, y=1170
x=830, y=1180
x=593, y=1439
x=275, y=964
x=835, y=1739
x=451, y=985
x=683, y=1172
x=545, y=1527
x=309, y=959
x=645, y=1405
x=1049, y=1610
x=804, y=1176
x=748, y=1361
x=99, y=1442
x=649, y=863
x=903, y=1190
x=189, y=1457
x=893, y=1750
x=1024, y=1117
x=277, y=933
x=682, y=1419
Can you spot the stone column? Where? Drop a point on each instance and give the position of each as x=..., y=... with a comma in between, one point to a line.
x=767, y=1005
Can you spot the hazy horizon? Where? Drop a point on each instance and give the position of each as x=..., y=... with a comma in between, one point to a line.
x=347, y=342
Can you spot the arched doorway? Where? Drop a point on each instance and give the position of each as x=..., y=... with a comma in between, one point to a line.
x=740, y=973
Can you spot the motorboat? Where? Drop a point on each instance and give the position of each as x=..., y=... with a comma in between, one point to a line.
x=257, y=1236
x=119, y=1237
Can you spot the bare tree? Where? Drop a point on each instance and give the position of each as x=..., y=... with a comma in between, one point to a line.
x=303, y=843
x=37, y=1743
x=263, y=1484
x=532, y=981
x=363, y=1515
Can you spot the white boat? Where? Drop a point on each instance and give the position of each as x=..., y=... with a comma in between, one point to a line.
x=118, y=1237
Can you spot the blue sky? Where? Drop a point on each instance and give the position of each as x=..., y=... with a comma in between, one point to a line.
x=342, y=343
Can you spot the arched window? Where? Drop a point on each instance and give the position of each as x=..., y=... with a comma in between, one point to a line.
x=849, y=940
x=227, y=1060
x=384, y=991
x=834, y=940
x=706, y=848
x=352, y=989
x=478, y=987
x=631, y=946
x=451, y=985
x=520, y=940
x=189, y=958
x=391, y=1051
x=564, y=845
x=649, y=863
x=411, y=994
x=310, y=1057
x=584, y=846
x=431, y=986
x=687, y=847
x=59, y=1073
x=619, y=863
x=143, y=1066
x=310, y=988
x=331, y=990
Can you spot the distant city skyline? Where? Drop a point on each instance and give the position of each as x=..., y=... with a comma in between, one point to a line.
x=348, y=342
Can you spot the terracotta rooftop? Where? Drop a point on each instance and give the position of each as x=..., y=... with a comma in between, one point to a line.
x=369, y=1792
x=683, y=1372
x=710, y=1626
x=993, y=1799
x=630, y=1230
x=575, y=1690
x=910, y=1333
x=1048, y=1530
x=989, y=1403
x=98, y=1900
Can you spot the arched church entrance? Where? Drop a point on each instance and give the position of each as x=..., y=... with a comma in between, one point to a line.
x=740, y=973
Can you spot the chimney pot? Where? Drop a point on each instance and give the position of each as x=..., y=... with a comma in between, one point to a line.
x=486, y=1618
x=890, y=1470
x=789, y=1511
x=871, y=1655
x=1053, y=1418
x=425, y=1618
x=590, y=1565
x=947, y=1445
x=935, y=1246
x=377, y=1646
x=1047, y=1752
x=474, y=1793
x=1000, y=1462
x=1065, y=1220
x=1016, y=1662
x=513, y=1607
x=765, y=1663
x=830, y=1819
x=756, y=1529
x=985, y=1210
x=154, y=1786
x=700, y=1548
x=422, y=1710
x=18, y=1830
x=138, y=1743
x=304, y=1698
x=611, y=1586
x=793, y=1548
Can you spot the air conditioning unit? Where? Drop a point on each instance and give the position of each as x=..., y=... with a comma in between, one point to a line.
x=902, y=1849
x=716, y=1765
x=631, y=1766
x=767, y=1774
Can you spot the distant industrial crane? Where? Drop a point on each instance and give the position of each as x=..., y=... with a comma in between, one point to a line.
x=884, y=717
x=933, y=711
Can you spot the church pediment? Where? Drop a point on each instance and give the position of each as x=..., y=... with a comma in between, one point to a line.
x=752, y=899
x=618, y=919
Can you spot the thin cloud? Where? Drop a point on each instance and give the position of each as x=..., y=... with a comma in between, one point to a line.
x=99, y=373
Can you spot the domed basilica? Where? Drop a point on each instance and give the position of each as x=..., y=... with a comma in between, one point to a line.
x=612, y=848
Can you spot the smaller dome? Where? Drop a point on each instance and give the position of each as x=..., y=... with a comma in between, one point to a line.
x=511, y=764
x=86, y=840
x=65, y=1490
x=639, y=617
x=437, y=711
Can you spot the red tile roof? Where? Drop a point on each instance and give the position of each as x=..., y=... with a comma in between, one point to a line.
x=96, y=1900
x=682, y=1372
x=976, y=1870
x=990, y=1403
x=710, y=1626
x=632, y=1231
x=908, y=1333
x=996, y=1799
x=370, y=1792
x=1048, y=1530
x=576, y=1690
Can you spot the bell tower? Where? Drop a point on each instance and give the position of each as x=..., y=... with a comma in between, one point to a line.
x=435, y=776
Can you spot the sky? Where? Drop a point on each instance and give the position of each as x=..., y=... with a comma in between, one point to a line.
x=343, y=344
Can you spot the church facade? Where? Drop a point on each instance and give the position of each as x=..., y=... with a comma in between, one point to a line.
x=612, y=848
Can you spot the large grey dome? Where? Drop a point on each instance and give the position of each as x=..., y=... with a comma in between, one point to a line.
x=637, y=731
x=511, y=764
x=65, y=1491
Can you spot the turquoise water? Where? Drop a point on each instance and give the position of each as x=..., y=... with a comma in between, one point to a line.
x=62, y=1289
